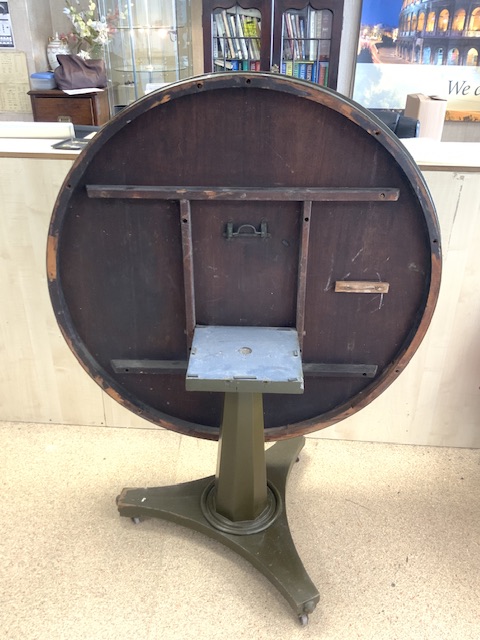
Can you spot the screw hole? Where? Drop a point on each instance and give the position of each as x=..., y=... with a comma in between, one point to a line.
x=435, y=241
x=377, y=133
x=184, y=220
x=199, y=85
x=307, y=219
x=248, y=81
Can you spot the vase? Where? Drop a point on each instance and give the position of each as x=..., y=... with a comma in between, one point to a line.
x=55, y=46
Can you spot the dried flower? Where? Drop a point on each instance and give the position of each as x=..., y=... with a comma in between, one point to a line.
x=91, y=32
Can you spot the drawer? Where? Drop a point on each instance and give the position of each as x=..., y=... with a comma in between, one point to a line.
x=54, y=105
x=77, y=110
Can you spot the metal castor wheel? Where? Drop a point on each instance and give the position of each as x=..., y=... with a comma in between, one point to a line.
x=303, y=619
x=136, y=520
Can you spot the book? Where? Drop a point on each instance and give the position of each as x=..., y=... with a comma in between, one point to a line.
x=291, y=33
x=310, y=68
x=233, y=31
x=220, y=31
x=251, y=31
x=228, y=35
x=311, y=33
x=302, y=43
x=324, y=24
x=323, y=73
x=241, y=37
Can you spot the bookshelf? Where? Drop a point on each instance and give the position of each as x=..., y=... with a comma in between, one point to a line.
x=294, y=37
x=306, y=42
x=237, y=38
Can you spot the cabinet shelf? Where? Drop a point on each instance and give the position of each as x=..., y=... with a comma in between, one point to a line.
x=151, y=45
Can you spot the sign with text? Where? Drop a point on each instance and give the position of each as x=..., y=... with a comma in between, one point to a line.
x=409, y=48
x=6, y=33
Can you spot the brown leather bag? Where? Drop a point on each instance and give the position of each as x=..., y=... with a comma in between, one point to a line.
x=74, y=72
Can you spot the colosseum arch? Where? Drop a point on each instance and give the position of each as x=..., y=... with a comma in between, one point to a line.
x=458, y=23
x=475, y=20
x=431, y=21
x=472, y=58
x=438, y=56
x=443, y=20
x=453, y=56
x=421, y=21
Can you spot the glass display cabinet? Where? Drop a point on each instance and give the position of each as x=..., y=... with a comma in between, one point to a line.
x=150, y=46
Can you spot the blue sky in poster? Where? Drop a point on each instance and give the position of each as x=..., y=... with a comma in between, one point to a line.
x=381, y=11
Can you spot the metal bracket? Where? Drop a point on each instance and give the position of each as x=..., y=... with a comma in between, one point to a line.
x=246, y=231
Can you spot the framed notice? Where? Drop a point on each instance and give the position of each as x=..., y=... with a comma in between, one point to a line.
x=6, y=33
x=430, y=47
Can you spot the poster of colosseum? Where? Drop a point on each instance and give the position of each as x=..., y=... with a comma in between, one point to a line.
x=411, y=46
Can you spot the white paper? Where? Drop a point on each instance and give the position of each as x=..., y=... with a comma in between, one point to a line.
x=76, y=92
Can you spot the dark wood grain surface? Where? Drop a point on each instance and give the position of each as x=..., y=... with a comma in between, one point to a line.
x=116, y=264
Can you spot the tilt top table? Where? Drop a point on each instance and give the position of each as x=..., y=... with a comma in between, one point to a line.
x=249, y=258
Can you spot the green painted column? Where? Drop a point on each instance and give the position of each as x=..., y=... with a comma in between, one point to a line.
x=241, y=479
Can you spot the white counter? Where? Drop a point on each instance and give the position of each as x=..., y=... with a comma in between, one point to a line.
x=433, y=155
x=37, y=148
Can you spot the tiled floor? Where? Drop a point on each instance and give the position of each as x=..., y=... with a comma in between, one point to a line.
x=389, y=534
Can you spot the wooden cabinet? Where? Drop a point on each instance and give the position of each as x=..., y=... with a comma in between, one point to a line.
x=54, y=105
x=250, y=49
x=299, y=38
x=306, y=42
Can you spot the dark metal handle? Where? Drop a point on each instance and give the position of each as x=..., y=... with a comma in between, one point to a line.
x=246, y=231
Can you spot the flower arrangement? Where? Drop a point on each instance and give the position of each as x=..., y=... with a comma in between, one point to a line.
x=91, y=32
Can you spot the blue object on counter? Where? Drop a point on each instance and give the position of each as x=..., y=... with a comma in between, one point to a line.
x=43, y=80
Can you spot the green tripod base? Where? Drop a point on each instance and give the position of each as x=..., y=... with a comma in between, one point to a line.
x=265, y=541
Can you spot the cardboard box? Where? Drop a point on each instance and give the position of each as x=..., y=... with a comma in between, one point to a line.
x=430, y=111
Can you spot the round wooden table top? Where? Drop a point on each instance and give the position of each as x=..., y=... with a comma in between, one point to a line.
x=244, y=199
